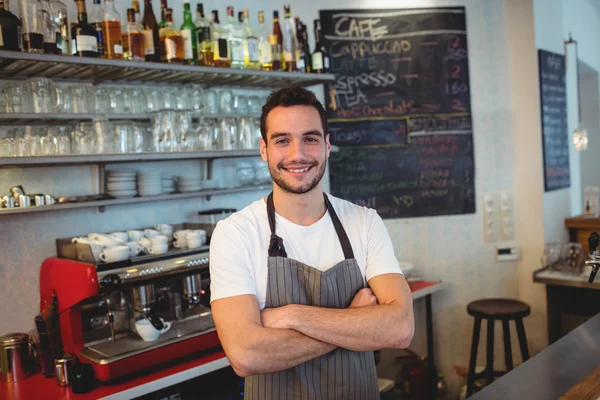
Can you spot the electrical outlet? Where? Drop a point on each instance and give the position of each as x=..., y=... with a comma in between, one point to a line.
x=491, y=231
x=507, y=222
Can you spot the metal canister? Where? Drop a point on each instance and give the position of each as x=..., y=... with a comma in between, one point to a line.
x=8, y=202
x=24, y=201
x=16, y=359
x=64, y=369
x=50, y=200
x=38, y=199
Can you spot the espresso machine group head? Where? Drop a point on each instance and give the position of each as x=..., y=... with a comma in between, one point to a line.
x=594, y=257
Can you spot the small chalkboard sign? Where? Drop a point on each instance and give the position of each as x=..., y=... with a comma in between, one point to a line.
x=400, y=110
x=555, y=131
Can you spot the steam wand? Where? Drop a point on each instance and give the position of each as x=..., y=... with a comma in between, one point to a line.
x=594, y=258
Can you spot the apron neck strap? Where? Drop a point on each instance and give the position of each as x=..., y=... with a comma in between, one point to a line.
x=276, y=248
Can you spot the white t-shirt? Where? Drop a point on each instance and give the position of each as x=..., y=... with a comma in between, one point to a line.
x=239, y=247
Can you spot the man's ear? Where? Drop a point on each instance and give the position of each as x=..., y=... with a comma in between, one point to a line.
x=263, y=149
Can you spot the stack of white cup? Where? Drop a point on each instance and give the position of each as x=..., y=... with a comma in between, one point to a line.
x=189, y=238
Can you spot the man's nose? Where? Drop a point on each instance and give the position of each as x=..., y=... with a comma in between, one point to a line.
x=296, y=150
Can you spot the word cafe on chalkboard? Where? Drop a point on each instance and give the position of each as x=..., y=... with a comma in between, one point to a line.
x=555, y=133
x=400, y=110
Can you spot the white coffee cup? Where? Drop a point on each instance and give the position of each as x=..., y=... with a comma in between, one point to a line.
x=135, y=235
x=194, y=243
x=164, y=227
x=134, y=248
x=145, y=242
x=180, y=243
x=181, y=233
x=195, y=235
x=106, y=240
x=151, y=233
x=148, y=332
x=114, y=254
x=159, y=240
x=158, y=249
x=120, y=236
x=94, y=246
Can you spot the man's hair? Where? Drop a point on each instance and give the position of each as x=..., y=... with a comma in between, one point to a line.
x=291, y=96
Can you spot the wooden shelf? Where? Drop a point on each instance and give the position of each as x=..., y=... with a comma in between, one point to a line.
x=20, y=65
x=132, y=200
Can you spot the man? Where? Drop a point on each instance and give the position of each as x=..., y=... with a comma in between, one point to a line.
x=288, y=273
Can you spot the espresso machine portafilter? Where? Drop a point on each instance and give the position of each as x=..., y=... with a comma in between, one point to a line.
x=143, y=300
x=192, y=289
x=594, y=257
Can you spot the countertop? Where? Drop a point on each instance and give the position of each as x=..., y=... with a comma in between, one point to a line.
x=552, y=372
x=550, y=277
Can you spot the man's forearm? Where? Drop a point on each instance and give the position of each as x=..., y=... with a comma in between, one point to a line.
x=360, y=329
x=268, y=350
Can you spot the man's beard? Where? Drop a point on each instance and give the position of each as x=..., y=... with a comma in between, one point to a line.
x=303, y=188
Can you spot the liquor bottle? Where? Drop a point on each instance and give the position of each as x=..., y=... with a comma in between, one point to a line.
x=85, y=40
x=188, y=31
x=163, y=12
x=96, y=18
x=133, y=39
x=265, y=55
x=151, y=35
x=276, y=63
x=235, y=37
x=303, y=62
x=111, y=31
x=171, y=42
x=251, y=53
x=220, y=44
x=279, y=40
x=60, y=21
x=320, y=58
x=32, y=33
x=290, y=42
x=10, y=32
x=135, y=4
x=42, y=8
x=203, y=37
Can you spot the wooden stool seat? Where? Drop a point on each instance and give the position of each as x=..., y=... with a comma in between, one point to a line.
x=504, y=310
x=498, y=309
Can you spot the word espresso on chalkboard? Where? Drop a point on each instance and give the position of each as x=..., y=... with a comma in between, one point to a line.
x=555, y=134
x=400, y=110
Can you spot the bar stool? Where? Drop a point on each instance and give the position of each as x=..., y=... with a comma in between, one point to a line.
x=503, y=310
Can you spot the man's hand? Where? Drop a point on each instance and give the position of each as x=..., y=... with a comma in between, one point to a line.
x=363, y=298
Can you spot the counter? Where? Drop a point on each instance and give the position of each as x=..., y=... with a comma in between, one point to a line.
x=552, y=372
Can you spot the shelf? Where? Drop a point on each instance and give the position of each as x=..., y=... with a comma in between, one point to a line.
x=19, y=65
x=56, y=118
x=132, y=200
x=122, y=158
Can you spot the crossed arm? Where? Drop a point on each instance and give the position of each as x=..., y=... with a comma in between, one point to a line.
x=280, y=338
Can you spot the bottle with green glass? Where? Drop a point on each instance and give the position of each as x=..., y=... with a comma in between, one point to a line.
x=188, y=31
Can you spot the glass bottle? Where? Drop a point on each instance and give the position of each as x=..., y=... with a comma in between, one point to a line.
x=151, y=34
x=276, y=63
x=96, y=17
x=60, y=21
x=320, y=58
x=303, y=62
x=32, y=33
x=203, y=37
x=171, y=42
x=163, y=11
x=85, y=40
x=133, y=39
x=42, y=7
x=135, y=4
x=10, y=32
x=235, y=37
x=111, y=31
x=220, y=44
x=279, y=39
x=251, y=53
x=290, y=41
x=188, y=32
x=265, y=54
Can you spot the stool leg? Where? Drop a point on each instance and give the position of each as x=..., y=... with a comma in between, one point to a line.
x=489, y=365
x=507, y=347
x=473, y=361
x=522, y=339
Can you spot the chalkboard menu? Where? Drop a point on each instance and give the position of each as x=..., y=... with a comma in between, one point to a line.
x=400, y=110
x=555, y=133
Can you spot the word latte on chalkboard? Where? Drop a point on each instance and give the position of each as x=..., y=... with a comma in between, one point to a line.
x=555, y=134
x=400, y=110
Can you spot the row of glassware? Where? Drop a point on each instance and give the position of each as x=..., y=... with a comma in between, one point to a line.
x=42, y=95
x=169, y=131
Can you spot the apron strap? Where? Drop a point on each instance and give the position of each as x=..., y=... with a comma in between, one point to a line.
x=276, y=248
x=339, y=229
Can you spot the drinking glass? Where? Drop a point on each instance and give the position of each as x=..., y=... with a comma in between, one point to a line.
x=120, y=100
x=226, y=102
x=211, y=105
x=240, y=104
x=246, y=134
x=80, y=98
x=139, y=102
x=46, y=97
x=228, y=134
x=102, y=101
x=129, y=138
x=19, y=98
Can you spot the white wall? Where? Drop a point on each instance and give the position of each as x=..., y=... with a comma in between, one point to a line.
x=589, y=85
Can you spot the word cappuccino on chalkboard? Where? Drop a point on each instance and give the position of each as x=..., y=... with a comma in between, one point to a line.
x=400, y=110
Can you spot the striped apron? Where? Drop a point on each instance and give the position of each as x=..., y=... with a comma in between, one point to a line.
x=339, y=375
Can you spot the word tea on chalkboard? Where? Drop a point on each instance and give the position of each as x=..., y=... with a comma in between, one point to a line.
x=400, y=110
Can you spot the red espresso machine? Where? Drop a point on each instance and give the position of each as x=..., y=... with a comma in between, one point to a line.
x=98, y=305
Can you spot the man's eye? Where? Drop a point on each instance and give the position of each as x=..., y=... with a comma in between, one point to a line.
x=311, y=140
x=281, y=141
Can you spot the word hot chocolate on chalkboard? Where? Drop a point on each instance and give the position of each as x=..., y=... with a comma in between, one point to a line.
x=400, y=110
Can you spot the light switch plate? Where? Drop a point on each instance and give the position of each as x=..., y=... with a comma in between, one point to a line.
x=508, y=253
x=506, y=217
x=491, y=230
